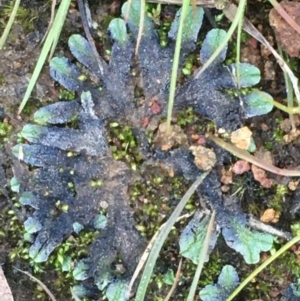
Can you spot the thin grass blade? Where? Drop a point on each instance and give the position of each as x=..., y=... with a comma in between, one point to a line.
x=50, y=42
x=140, y=295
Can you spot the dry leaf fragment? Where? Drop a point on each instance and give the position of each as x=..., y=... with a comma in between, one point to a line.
x=241, y=137
x=155, y=108
x=205, y=158
x=270, y=216
x=287, y=36
x=240, y=167
x=264, y=155
x=167, y=139
x=261, y=176
x=5, y=292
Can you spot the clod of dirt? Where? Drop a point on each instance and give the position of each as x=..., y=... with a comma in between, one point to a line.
x=293, y=185
x=240, y=167
x=241, y=137
x=226, y=176
x=261, y=176
x=165, y=139
x=287, y=37
x=291, y=136
x=205, y=158
x=270, y=216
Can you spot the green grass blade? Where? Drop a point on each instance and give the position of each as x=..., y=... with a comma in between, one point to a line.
x=238, y=48
x=9, y=24
x=50, y=42
x=140, y=295
x=175, y=65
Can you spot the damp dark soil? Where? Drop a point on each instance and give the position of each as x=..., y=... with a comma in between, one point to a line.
x=154, y=191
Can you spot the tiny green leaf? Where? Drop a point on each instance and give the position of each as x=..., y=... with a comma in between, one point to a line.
x=247, y=242
x=83, y=52
x=57, y=113
x=67, y=74
x=31, y=132
x=100, y=222
x=228, y=278
x=41, y=116
x=192, y=24
x=116, y=291
x=14, y=184
x=227, y=282
x=78, y=291
x=134, y=18
x=211, y=42
x=249, y=74
x=192, y=238
x=117, y=28
x=169, y=277
x=77, y=227
x=103, y=280
x=27, y=198
x=32, y=225
x=79, y=272
x=256, y=104
x=66, y=264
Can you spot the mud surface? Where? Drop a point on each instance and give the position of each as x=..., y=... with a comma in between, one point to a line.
x=68, y=174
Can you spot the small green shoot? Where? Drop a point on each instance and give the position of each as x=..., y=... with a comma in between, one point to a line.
x=9, y=24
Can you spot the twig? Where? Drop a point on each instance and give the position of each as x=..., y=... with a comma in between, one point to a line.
x=285, y=15
x=244, y=155
x=141, y=25
x=88, y=34
x=176, y=280
x=258, y=225
x=43, y=286
x=50, y=22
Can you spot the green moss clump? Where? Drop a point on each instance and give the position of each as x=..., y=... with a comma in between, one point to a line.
x=123, y=144
x=24, y=16
x=66, y=94
x=5, y=131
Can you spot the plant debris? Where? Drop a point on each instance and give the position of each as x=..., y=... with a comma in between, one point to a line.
x=283, y=31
